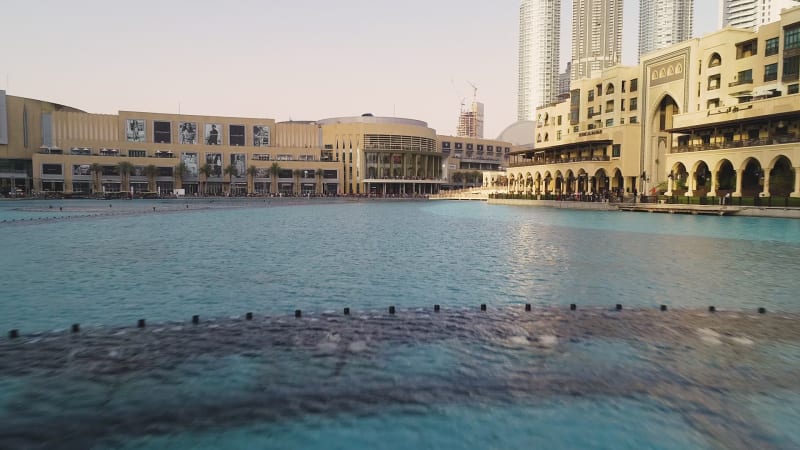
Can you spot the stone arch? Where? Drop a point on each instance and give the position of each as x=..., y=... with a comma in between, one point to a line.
x=781, y=176
x=601, y=180
x=714, y=60
x=752, y=175
x=726, y=177
x=701, y=178
x=609, y=88
x=665, y=109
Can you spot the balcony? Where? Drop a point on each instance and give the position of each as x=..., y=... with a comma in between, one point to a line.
x=740, y=82
x=545, y=161
x=775, y=140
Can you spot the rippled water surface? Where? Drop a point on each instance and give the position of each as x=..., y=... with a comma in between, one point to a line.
x=461, y=378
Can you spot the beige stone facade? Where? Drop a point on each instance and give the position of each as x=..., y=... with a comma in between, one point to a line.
x=708, y=117
x=587, y=145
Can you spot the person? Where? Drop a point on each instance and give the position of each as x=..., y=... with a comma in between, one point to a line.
x=213, y=135
x=728, y=198
x=635, y=193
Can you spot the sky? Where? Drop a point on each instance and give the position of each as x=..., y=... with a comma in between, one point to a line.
x=280, y=59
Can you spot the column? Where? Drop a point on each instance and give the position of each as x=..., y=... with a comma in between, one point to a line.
x=713, y=191
x=589, y=185
x=691, y=181
x=738, y=192
x=670, y=179
x=796, y=192
x=765, y=191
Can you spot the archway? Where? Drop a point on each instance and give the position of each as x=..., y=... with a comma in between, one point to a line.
x=702, y=179
x=617, y=182
x=781, y=177
x=601, y=180
x=726, y=178
x=680, y=178
x=559, y=183
x=667, y=108
x=752, y=178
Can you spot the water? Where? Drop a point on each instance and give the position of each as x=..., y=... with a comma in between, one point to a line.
x=458, y=379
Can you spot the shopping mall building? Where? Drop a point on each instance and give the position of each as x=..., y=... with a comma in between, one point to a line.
x=56, y=149
x=708, y=117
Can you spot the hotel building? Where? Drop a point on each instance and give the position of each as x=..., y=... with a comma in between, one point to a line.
x=703, y=118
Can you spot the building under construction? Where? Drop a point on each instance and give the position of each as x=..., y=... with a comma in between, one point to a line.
x=470, y=121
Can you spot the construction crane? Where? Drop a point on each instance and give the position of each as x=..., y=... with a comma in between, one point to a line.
x=474, y=91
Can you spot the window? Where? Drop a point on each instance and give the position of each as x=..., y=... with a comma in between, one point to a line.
x=713, y=82
x=634, y=119
x=480, y=147
x=616, y=149
x=490, y=148
x=771, y=47
x=634, y=84
x=137, y=153
x=609, y=89
x=609, y=122
x=610, y=106
x=51, y=169
x=590, y=113
x=558, y=120
x=622, y=121
x=634, y=103
x=591, y=96
x=622, y=105
x=746, y=49
x=599, y=90
x=715, y=60
x=469, y=146
x=623, y=86
x=236, y=135
x=793, y=88
x=459, y=145
x=771, y=72
x=162, y=132
x=791, y=68
x=558, y=135
x=743, y=77
x=791, y=37
x=713, y=103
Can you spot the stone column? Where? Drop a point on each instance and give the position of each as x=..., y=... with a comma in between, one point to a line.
x=669, y=185
x=796, y=192
x=690, y=183
x=713, y=191
x=765, y=191
x=738, y=192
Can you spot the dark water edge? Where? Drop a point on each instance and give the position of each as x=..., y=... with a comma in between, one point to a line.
x=106, y=386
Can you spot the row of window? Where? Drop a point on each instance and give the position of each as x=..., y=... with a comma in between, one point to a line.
x=479, y=147
x=191, y=171
x=190, y=133
x=634, y=86
x=791, y=40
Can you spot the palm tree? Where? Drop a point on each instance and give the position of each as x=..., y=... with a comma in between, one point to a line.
x=97, y=172
x=206, y=170
x=251, y=179
x=274, y=172
x=125, y=171
x=319, y=174
x=230, y=171
x=297, y=173
x=151, y=171
x=181, y=170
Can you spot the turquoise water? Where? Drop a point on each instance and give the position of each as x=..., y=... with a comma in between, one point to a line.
x=461, y=378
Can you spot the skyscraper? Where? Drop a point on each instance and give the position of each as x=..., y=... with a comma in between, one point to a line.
x=470, y=121
x=539, y=32
x=596, y=36
x=751, y=13
x=663, y=23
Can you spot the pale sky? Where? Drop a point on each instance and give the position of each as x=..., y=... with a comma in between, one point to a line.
x=281, y=59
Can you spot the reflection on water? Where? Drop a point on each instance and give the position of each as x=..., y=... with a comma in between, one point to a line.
x=706, y=376
x=505, y=378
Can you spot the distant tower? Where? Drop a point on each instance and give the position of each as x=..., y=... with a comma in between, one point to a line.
x=751, y=13
x=539, y=32
x=663, y=23
x=563, y=81
x=470, y=121
x=596, y=36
